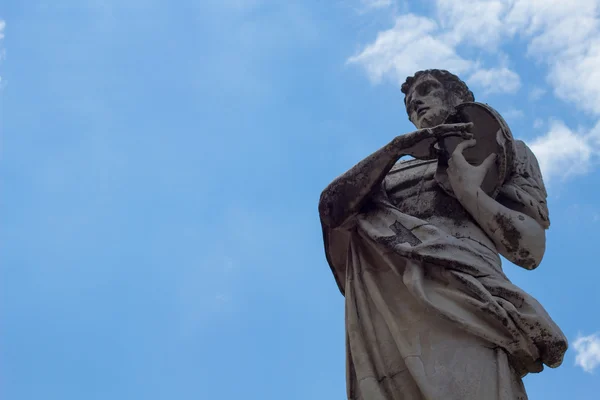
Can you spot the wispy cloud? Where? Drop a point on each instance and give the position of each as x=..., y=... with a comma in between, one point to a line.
x=536, y=93
x=412, y=44
x=377, y=4
x=475, y=22
x=238, y=5
x=496, y=80
x=2, y=51
x=418, y=42
x=588, y=352
x=562, y=152
x=513, y=114
x=565, y=36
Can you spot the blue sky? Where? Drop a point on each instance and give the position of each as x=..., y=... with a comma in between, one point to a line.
x=161, y=164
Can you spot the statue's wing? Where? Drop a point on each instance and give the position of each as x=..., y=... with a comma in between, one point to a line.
x=524, y=191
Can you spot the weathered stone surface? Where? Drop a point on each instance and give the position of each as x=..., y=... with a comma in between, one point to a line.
x=429, y=311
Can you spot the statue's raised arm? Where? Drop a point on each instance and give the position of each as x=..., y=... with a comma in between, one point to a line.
x=345, y=196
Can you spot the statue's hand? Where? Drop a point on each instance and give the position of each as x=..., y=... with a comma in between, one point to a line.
x=419, y=144
x=465, y=178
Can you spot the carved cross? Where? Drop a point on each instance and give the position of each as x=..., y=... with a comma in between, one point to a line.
x=404, y=235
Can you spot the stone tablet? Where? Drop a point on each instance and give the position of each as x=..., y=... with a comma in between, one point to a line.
x=493, y=136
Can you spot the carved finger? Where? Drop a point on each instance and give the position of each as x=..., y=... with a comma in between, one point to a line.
x=457, y=160
x=433, y=150
x=462, y=135
x=445, y=128
x=457, y=156
x=489, y=161
x=464, y=145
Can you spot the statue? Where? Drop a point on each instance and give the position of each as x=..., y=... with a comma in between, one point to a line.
x=414, y=247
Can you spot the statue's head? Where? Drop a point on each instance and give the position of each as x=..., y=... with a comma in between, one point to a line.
x=431, y=95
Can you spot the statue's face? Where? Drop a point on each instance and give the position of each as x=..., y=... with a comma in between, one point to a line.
x=426, y=102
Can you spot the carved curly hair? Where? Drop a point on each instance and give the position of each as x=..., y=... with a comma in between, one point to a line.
x=458, y=91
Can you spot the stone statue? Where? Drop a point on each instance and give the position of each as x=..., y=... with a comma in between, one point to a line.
x=414, y=247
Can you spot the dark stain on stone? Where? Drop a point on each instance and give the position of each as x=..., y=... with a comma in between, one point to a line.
x=527, y=263
x=403, y=234
x=513, y=297
x=512, y=237
x=448, y=206
x=524, y=253
x=552, y=352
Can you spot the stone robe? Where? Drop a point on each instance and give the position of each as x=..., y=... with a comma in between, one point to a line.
x=429, y=312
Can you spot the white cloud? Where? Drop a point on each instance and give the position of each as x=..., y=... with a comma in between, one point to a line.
x=552, y=24
x=418, y=42
x=577, y=78
x=538, y=123
x=222, y=298
x=588, y=352
x=513, y=114
x=478, y=22
x=409, y=46
x=237, y=5
x=562, y=153
x=566, y=36
x=536, y=93
x=496, y=80
x=377, y=4
x=563, y=36
x=2, y=51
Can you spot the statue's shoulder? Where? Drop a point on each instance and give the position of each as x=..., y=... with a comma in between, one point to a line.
x=526, y=165
x=525, y=187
